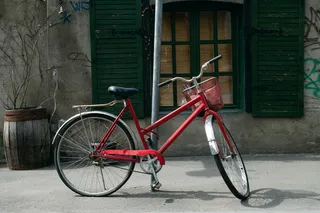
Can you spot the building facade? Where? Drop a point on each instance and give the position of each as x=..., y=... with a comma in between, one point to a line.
x=269, y=71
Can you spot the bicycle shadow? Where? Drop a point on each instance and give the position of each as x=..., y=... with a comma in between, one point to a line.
x=170, y=196
x=204, y=171
x=209, y=168
x=261, y=198
x=269, y=197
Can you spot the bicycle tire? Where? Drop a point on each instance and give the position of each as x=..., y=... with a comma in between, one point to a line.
x=219, y=162
x=61, y=137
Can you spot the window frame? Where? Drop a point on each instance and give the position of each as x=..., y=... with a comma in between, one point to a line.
x=194, y=10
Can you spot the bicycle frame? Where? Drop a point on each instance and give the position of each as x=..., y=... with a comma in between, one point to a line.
x=145, y=131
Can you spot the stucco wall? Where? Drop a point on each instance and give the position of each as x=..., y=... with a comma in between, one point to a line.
x=228, y=1
x=69, y=51
x=312, y=52
x=69, y=45
x=20, y=20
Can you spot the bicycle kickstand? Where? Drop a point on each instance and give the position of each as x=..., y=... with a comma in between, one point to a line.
x=154, y=184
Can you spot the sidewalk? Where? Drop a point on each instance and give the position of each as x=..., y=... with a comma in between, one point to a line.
x=279, y=183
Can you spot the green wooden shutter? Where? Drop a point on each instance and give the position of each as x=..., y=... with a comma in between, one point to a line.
x=116, y=50
x=277, y=57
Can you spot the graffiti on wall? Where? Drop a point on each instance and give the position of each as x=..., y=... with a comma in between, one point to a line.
x=80, y=5
x=312, y=76
x=312, y=29
x=66, y=17
x=312, y=52
x=76, y=6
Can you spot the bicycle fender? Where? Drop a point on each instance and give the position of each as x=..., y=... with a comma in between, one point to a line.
x=95, y=112
x=210, y=135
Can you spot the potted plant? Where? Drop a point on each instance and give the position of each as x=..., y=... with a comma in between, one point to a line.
x=26, y=132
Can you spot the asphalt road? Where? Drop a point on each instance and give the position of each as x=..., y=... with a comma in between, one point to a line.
x=285, y=183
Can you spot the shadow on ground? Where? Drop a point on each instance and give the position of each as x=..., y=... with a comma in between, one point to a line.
x=170, y=196
x=257, y=157
x=269, y=197
x=281, y=157
x=260, y=198
x=209, y=168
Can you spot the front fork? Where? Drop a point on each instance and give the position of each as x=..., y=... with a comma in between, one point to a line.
x=214, y=149
x=210, y=116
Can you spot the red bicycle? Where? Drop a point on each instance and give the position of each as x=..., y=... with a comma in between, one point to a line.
x=95, y=151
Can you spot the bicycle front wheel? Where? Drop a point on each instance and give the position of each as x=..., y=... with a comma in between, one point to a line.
x=230, y=165
x=86, y=175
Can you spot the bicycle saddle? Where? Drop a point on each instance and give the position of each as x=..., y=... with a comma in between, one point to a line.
x=121, y=92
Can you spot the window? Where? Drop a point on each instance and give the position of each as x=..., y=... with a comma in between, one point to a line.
x=192, y=37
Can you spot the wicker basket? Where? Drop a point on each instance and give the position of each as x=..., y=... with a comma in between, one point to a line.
x=212, y=93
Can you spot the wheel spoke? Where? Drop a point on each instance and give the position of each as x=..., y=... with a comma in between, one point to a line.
x=231, y=164
x=92, y=176
x=104, y=184
x=75, y=144
x=82, y=174
x=80, y=160
x=86, y=134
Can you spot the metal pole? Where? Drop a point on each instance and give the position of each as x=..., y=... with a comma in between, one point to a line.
x=156, y=67
x=156, y=72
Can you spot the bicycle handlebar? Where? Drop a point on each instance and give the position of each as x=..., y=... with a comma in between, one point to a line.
x=204, y=67
x=165, y=83
x=214, y=59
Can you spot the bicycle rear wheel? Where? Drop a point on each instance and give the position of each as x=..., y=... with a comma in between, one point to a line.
x=86, y=175
x=230, y=165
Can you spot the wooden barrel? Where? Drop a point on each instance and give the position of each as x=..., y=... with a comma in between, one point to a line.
x=26, y=138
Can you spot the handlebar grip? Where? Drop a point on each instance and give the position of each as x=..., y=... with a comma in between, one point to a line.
x=214, y=59
x=165, y=83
